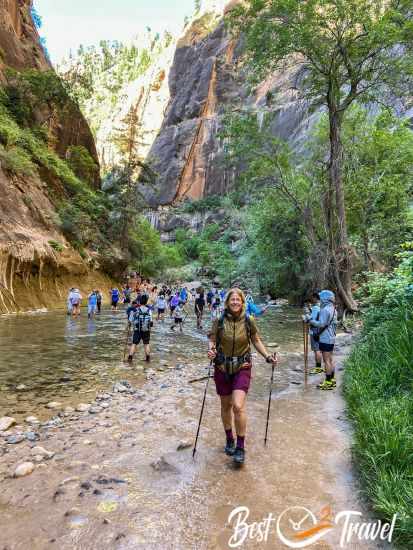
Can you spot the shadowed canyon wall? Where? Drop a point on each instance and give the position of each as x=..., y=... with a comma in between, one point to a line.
x=32, y=272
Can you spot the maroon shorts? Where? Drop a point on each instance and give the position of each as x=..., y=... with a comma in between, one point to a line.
x=238, y=381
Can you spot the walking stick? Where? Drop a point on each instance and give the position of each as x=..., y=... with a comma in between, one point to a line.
x=269, y=403
x=199, y=379
x=305, y=339
x=202, y=410
x=126, y=342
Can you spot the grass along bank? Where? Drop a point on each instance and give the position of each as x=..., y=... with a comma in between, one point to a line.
x=378, y=390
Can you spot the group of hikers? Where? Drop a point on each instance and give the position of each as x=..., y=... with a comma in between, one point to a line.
x=74, y=301
x=233, y=330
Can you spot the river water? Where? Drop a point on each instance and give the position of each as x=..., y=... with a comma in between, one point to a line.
x=57, y=358
x=118, y=480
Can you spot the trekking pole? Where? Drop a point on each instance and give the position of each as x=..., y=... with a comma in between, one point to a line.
x=305, y=341
x=199, y=379
x=202, y=409
x=126, y=342
x=269, y=403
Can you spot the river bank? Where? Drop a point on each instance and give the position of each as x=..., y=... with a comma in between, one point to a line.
x=121, y=473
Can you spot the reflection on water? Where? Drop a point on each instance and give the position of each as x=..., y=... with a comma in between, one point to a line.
x=62, y=359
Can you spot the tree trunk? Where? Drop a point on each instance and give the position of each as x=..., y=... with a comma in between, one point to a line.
x=342, y=264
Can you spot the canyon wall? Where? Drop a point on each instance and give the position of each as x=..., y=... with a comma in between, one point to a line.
x=205, y=82
x=34, y=271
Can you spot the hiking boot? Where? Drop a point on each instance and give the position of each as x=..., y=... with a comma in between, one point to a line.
x=148, y=358
x=230, y=448
x=239, y=456
x=333, y=382
x=326, y=385
x=316, y=370
x=130, y=358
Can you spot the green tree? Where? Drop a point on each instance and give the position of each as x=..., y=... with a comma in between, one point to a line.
x=345, y=50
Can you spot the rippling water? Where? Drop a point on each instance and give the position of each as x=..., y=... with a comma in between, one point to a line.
x=58, y=358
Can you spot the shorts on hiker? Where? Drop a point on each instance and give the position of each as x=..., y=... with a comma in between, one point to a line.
x=172, y=308
x=161, y=310
x=315, y=346
x=115, y=303
x=126, y=301
x=326, y=347
x=178, y=321
x=225, y=385
x=91, y=309
x=144, y=336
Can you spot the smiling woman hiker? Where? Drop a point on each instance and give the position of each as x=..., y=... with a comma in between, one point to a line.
x=230, y=348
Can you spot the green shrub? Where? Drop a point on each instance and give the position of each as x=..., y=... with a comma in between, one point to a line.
x=17, y=160
x=82, y=163
x=378, y=389
x=56, y=246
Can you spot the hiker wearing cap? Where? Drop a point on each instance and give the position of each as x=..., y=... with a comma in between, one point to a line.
x=324, y=332
x=230, y=349
x=315, y=345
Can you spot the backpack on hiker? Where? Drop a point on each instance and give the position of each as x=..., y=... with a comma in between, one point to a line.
x=142, y=319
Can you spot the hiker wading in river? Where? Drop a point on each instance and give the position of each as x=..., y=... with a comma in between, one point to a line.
x=230, y=348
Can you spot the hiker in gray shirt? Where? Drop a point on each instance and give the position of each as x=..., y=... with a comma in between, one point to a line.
x=324, y=329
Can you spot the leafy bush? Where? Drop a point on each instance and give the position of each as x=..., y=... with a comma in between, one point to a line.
x=82, y=163
x=56, y=246
x=378, y=390
x=17, y=160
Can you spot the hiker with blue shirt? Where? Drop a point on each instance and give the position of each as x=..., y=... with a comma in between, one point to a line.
x=252, y=309
x=315, y=346
x=92, y=303
x=324, y=331
x=114, y=296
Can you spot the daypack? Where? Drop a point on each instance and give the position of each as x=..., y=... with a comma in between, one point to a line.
x=142, y=319
x=318, y=331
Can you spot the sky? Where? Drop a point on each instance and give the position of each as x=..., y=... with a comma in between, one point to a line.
x=68, y=23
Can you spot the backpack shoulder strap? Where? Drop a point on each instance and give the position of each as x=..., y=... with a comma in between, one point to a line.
x=220, y=330
x=248, y=327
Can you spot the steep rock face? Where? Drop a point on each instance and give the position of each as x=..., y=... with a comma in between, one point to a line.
x=204, y=82
x=32, y=272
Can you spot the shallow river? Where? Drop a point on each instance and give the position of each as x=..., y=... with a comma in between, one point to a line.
x=57, y=358
x=119, y=480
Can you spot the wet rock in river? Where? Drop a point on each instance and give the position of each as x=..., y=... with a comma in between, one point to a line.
x=94, y=409
x=32, y=436
x=41, y=452
x=185, y=444
x=6, y=422
x=69, y=410
x=163, y=466
x=24, y=469
x=14, y=439
x=21, y=387
x=32, y=420
x=54, y=405
x=83, y=407
x=103, y=397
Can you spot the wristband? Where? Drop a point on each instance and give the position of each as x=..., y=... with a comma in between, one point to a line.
x=268, y=359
